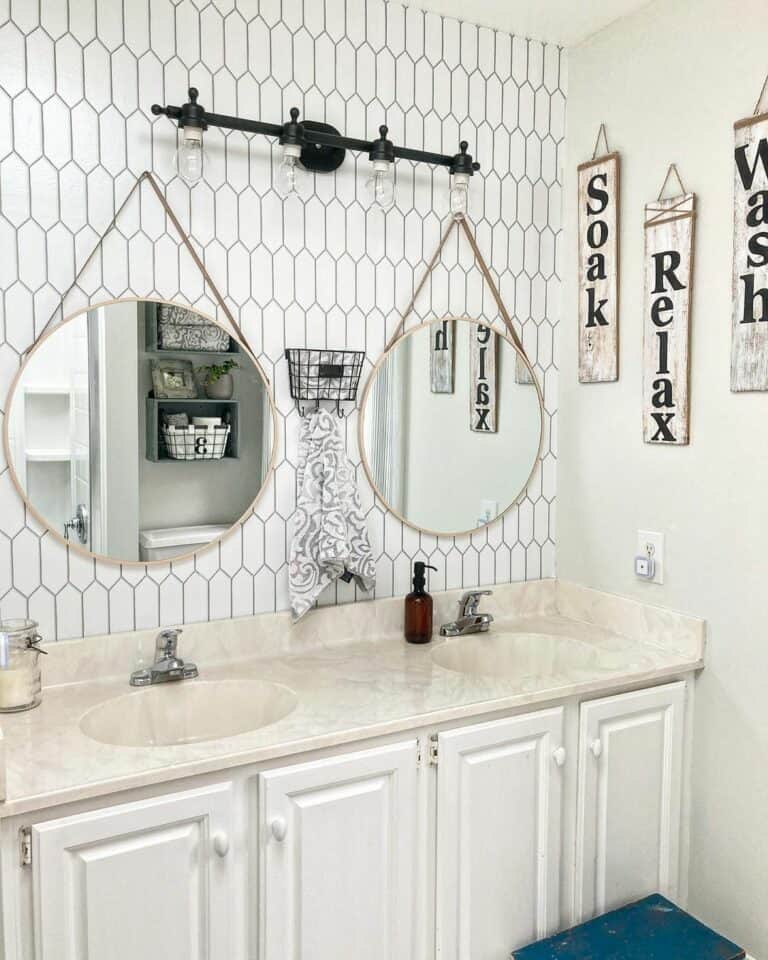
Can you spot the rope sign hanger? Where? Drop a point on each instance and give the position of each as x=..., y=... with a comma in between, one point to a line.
x=762, y=101
x=601, y=135
x=672, y=171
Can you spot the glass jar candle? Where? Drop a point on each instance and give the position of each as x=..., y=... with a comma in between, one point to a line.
x=20, y=683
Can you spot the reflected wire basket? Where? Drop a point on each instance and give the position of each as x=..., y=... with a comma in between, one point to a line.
x=317, y=375
x=195, y=443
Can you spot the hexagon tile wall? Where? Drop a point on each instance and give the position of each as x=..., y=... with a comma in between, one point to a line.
x=76, y=84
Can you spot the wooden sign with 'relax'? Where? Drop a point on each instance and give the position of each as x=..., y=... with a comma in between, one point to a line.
x=669, y=230
x=482, y=381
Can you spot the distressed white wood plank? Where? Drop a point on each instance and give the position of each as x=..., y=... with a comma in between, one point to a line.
x=441, y=356
x=482, y=399
x=669, y=230
x=599, y=195
x=749, y=340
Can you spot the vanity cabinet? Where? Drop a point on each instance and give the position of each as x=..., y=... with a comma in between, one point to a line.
x=629, y=798
x=499, y=808
x=148, y=879
x=456, y=842
x=338, y=854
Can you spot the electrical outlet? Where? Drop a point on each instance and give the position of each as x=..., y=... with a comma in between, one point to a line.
x=650, y=544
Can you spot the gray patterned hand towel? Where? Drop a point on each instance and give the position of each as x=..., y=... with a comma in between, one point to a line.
x=330, y=536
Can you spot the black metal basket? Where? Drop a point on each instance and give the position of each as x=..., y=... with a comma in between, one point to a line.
x=317, y=375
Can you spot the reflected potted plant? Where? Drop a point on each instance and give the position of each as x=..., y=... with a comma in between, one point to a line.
x=217, y=379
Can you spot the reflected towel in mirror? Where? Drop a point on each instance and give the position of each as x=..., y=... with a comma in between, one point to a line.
x=330, y=534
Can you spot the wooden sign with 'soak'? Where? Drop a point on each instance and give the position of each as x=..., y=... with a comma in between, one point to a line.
x=441, y=352
x=599, y=269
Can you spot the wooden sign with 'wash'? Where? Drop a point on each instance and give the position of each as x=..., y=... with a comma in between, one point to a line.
x=482, y=380
x=599, y=269
x=441, y=352
x=749, y=338
x=668, y=271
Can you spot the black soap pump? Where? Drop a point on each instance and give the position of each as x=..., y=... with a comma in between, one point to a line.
x=418, y=607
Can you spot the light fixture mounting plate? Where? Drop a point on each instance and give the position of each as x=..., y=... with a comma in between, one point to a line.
x=318, y=158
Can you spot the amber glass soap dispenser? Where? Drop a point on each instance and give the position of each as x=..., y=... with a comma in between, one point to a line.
x=418, y=607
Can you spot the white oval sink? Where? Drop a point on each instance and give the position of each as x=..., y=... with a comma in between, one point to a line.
x=515, y=655
x=187, y=711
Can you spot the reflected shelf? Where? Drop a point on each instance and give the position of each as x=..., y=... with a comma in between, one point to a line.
x=43, y=456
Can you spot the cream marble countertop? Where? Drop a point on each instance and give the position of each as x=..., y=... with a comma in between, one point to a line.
x=347, y=689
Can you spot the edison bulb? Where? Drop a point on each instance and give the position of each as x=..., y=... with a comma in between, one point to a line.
x=291, y=175
x=459, y=197
x=189, y=155
x=381, y=185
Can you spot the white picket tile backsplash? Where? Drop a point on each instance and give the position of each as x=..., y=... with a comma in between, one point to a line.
x=77, y=80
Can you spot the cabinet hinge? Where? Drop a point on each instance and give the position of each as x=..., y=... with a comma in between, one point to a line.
x=25, y=846
x=433, y=750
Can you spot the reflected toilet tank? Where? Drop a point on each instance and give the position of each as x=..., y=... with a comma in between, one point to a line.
x=169, y=542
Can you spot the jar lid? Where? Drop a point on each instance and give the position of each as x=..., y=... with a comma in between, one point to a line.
x=18, y=627
x=15, y=634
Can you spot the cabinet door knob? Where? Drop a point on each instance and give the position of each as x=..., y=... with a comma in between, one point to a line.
x=596, y=747
x=559, y=756
x=279, y=829
x=221, y=844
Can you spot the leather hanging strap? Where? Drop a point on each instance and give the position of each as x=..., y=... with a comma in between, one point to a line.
x=492, y=287
x=194, y=254
x=480, y=260
x=146, y=175
x=416, y=293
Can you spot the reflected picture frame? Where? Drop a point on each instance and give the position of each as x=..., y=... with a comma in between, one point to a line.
x=174, y=380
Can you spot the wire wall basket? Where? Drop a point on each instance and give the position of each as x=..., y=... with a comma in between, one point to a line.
x=195, y=443
x=317, y=375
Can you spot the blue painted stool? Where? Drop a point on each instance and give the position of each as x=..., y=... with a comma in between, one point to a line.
x=651, y=929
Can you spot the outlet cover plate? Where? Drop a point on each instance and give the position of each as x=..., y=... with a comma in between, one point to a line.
x=646, y=539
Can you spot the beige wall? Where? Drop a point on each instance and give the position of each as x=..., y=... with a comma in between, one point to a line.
x=669, y=83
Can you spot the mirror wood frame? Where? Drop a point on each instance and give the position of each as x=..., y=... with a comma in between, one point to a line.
x=519, y=354
x=79, y=548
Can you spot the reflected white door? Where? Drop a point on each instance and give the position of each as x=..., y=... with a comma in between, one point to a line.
x=498, y=835
x=79, y=425
x=340, y=857
x=140, y=880
x=630, y=785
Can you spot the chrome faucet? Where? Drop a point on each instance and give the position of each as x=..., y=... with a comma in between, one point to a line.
x=470, y=620
x=167, y=665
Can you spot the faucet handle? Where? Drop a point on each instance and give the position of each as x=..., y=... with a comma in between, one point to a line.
x=167, y=642
x=470, y=601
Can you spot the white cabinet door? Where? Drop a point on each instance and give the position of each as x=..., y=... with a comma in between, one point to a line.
x=149, y=880
x=339, y=857
x=630, y=785
x=498, y=835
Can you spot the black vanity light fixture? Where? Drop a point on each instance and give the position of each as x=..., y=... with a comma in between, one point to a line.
x=309, y=145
